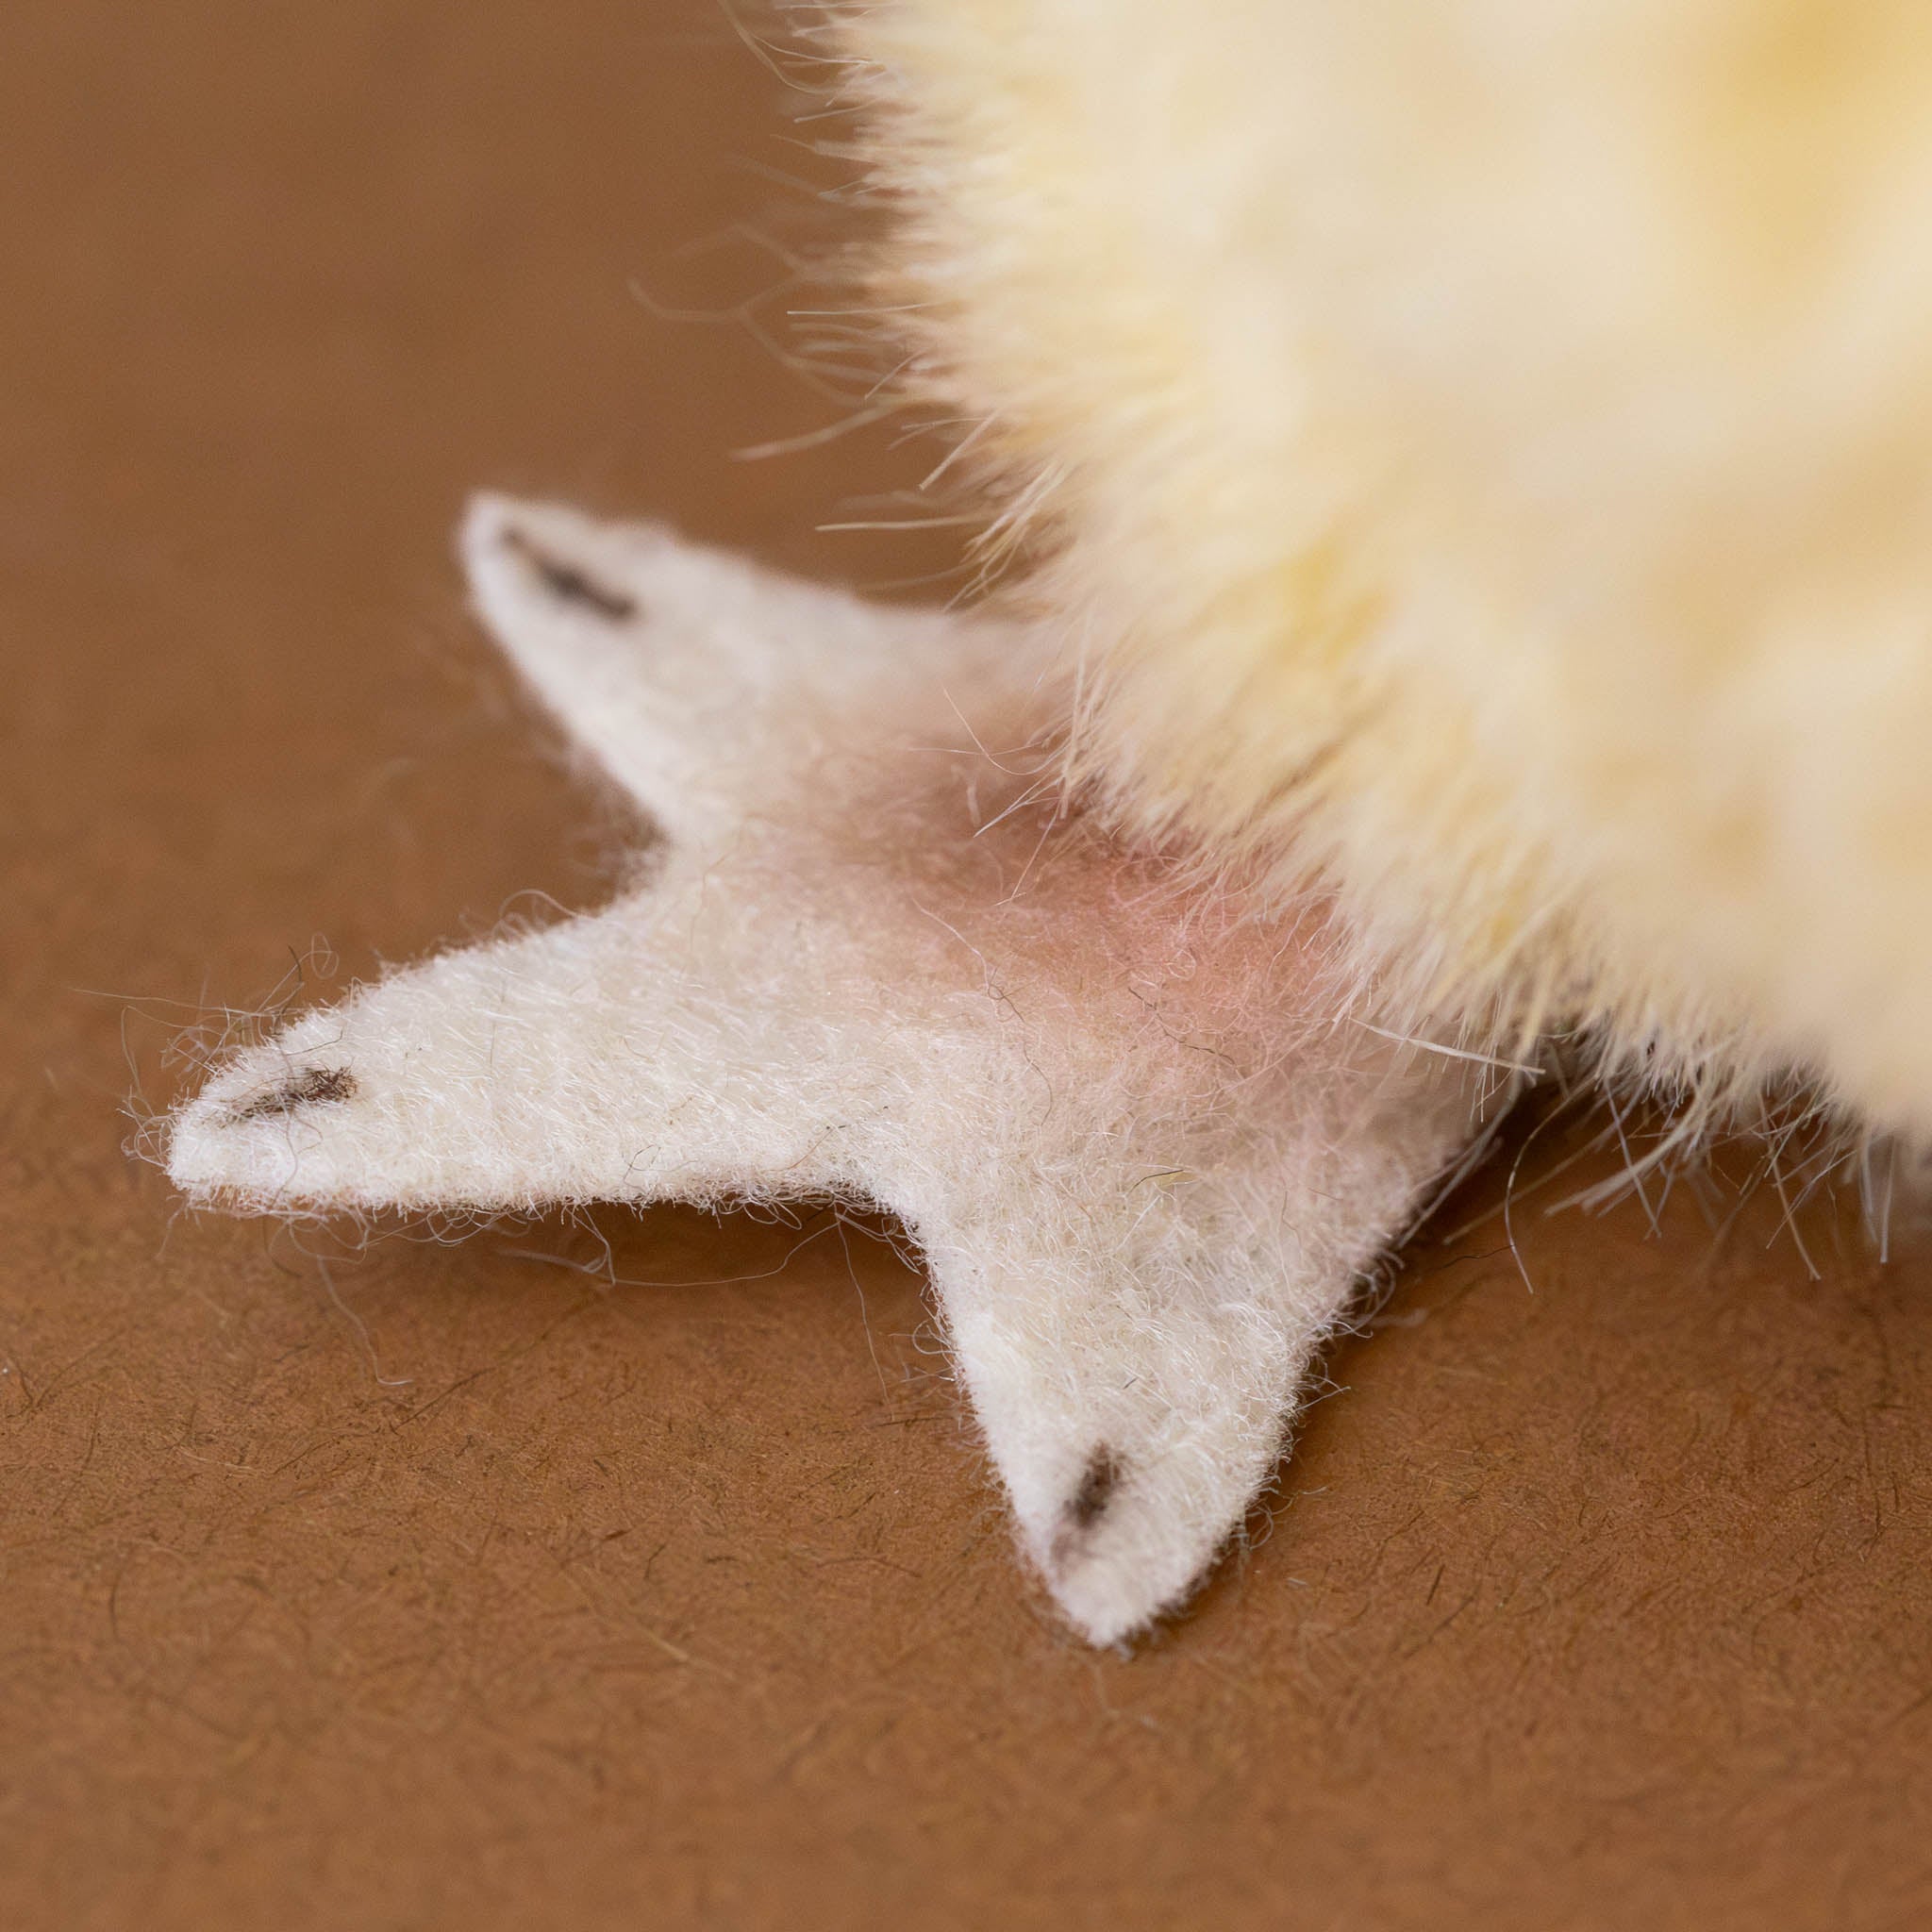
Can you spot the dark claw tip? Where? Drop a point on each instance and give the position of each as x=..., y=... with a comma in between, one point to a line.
x=1100, y=1482
x=567, y=583
x=318, y=1087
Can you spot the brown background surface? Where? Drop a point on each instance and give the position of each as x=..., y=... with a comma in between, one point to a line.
x=448, y=1584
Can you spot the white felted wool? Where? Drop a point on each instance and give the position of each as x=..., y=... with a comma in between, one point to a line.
x=1142, y=1138
x=1484, y=449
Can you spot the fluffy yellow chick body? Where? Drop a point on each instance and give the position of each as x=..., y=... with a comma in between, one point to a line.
x=1479, y=451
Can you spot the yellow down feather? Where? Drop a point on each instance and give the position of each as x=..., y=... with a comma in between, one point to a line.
x=1481, y=452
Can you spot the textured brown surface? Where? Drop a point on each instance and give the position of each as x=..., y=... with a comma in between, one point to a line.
x=451, y=1586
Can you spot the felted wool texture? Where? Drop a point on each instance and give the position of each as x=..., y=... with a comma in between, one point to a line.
x=1148, y=1139
x=1484, y=450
